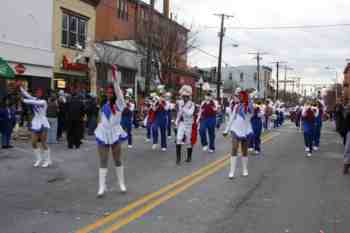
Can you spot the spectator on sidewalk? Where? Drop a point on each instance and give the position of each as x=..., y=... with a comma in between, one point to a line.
x=7, y=122
x=92, y=114
x=61, y=115
x=52, y=113
x=75, y=123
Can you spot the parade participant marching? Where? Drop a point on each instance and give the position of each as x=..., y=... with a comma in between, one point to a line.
x=149, y=116
x=308, y=117
x=160, y=107
x=109, y=134
x=184, y=123
x=207, y=120
x=257, y=126
x=318, y=125
x=127, y=116
x=239, y=126
x=169, y=113
x=39, y=127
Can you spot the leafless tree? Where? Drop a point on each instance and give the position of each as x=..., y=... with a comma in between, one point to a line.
x=168, y=43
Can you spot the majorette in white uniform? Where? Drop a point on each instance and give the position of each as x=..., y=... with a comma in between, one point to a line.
x=39, y=124
x=184, y=122
x=109, y=132
x=239, y=126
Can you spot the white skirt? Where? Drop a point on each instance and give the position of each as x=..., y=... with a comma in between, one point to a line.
x=110, y=136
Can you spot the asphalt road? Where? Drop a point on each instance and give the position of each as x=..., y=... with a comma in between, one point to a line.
x=285, y=191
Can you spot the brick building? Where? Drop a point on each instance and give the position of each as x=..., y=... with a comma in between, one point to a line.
x=129, y=20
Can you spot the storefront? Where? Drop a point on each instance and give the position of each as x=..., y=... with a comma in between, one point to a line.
x=72, y=76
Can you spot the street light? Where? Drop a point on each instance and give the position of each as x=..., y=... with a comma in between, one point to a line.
x=336, y=81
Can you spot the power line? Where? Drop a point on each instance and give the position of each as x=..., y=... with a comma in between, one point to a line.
x=285, y=27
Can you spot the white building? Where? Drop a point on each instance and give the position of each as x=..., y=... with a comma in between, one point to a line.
x=245, y=77
x=26, y=40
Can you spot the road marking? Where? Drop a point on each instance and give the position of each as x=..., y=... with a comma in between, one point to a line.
x=147, y=198
x=156, y=203
x=185, y=182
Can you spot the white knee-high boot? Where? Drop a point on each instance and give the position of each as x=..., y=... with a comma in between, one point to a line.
x=47, y=158
x=245, y=165
x=102, y=174
x=231, y=175
x=38, y=157
x=121, y=180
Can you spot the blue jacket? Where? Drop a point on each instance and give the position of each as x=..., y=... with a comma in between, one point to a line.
x=7, y=119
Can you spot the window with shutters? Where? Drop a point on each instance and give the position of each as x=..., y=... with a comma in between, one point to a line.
x=122, y=9
x=241, y=77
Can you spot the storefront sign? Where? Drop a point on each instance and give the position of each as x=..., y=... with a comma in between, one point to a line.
x=61, y=84
x=20, y=69
x=68, y=65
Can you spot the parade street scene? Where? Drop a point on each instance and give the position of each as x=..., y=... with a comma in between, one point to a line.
x=174, y=116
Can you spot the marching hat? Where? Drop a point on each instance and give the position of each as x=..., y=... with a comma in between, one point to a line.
x=186, y=90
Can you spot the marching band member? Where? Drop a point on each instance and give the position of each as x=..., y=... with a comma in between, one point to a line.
x=149, y=118
x=160, y=107
x=169, y=113
x=257, y=126
x=240, y=128
x=308, y=117
x=184, y=124
x=109, y=134
x=127, y=116
x=207, y=119
x=318, y=125
x=39, y=127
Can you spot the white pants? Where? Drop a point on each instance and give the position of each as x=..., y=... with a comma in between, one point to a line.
x=184, y=134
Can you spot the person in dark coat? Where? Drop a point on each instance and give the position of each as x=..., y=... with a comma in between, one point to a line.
x=74, y=120
x=61, y=115
x=7, y=122
x=92, y=115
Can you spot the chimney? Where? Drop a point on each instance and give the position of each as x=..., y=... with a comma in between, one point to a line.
x=166, y=8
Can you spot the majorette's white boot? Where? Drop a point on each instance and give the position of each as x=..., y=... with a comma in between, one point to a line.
x=102, y=174
x=121, y=180
x=245, y=165
x=231, y=175
x=47, y=158
x=38, y=157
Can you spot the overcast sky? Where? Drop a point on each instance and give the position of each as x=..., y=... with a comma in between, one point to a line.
x=308, y=51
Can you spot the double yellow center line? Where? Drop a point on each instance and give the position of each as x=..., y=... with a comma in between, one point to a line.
x=153, y=200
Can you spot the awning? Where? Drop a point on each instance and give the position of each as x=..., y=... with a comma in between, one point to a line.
x=5, y=70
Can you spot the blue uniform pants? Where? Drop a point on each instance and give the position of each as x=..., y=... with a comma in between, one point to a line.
x=317, y=135
x=6, y=137
x=208, y=126
x=308, y=138
x=128, y=129
x=162, y=128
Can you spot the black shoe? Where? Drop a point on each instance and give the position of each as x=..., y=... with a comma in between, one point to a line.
x=178, y=154
x=70, y=147
x=9, y=147
x=189, y=155
x=4, y=147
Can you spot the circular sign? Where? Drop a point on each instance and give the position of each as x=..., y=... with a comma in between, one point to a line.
x=20, y=69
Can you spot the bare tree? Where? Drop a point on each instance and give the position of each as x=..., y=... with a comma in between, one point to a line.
x=106, y=55
x=167, y=43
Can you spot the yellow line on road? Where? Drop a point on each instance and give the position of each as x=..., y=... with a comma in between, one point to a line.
x=147, y=198
x=169, y=195
x=203, y=172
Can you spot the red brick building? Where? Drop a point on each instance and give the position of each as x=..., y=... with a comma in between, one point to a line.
x=128, y=19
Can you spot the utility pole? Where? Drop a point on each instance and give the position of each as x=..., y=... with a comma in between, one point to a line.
x=149, y=73
x=277, y=77
x=286, y=68
x=221, y=36
x=258, y=59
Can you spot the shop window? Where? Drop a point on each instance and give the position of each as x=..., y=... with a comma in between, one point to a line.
x=241, y=77
x=74, y=30
x=230, y=76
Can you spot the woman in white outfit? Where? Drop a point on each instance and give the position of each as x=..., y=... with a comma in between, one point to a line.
x=109, y=134
x=240, y=128
x=39, y=127
x=184, y=121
